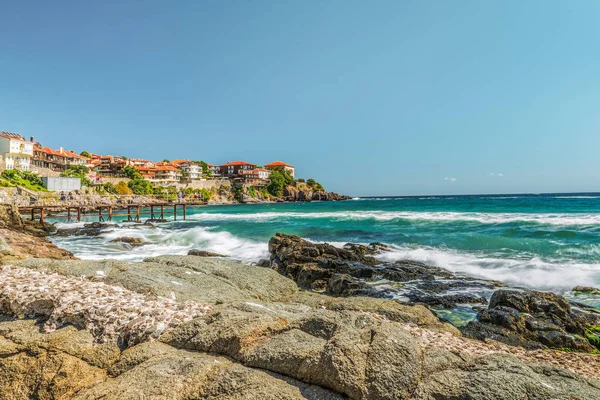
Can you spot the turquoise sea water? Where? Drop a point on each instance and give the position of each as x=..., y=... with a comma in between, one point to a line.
x=548, y=242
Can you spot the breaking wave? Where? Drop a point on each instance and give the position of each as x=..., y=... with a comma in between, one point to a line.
x=161, y=241
x=530, y=273
x=483, y=218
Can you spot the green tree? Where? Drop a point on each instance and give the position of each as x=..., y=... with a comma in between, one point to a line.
x=85, y=154
x=276, y=184
x=131, y=173
x=205, y=170
x=289, y=180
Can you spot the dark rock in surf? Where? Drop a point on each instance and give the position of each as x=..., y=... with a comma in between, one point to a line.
x=345, y=272
x=586, y=290
x=91, y=229
x=534, y=319
x=446, y=300
x=132, y=241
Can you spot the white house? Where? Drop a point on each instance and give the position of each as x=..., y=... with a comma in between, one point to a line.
x=17, y=152
x=192, y=170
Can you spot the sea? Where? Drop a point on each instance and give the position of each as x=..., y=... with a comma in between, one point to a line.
x=548, y=242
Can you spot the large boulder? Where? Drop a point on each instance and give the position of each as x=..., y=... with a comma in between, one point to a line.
x=348, y=271
x=535, y=319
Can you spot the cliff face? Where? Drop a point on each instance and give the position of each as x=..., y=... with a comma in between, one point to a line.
x=294, y=194
x=20, y=240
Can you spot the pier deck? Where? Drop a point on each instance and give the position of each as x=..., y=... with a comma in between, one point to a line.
x=133, y=213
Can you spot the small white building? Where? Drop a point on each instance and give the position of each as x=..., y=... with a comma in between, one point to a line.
x=61, y=184
x=191, y=169
x=17, y=152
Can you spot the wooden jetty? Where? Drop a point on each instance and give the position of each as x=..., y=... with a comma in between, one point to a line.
x=104, y=213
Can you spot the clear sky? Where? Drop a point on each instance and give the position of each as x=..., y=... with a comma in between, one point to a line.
x=368, y=97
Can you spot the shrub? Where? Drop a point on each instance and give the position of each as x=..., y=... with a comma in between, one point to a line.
x=85, y=154
x=122, y=189
x=314, y=185
x=131, y=173
x=206, y=194
x=26, y=179
x=109, y=188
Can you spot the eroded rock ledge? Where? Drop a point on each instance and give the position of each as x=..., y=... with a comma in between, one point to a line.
x=263, y=338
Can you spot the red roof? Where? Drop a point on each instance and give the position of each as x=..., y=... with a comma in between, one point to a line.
x=279, y=164
x=159, y=168
x=177, y=162
x=236, y=163
x=59, y=152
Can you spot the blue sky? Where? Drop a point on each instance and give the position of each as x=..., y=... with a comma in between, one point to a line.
x=381, y=98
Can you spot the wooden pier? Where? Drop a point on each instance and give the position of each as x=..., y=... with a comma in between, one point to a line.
x=107, y=213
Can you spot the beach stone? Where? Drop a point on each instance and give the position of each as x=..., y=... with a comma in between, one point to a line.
x=204, y=253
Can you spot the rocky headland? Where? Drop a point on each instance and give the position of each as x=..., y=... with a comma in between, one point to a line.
x=303, y=325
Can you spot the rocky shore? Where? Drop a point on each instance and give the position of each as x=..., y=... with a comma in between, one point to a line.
x=303, y=325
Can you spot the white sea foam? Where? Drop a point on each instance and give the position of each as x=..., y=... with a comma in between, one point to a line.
x=162, y=241
x=532, y=273
x=577, y=197
x=484, y=218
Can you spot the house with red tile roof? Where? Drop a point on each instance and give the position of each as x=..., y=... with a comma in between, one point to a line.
x=257, y=177
x=161, y=172
x=233, y=168
x=281, y=166
x=111, y=165
x=215, y=170
x=56, y=160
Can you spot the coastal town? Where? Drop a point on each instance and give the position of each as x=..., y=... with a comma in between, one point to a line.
x=28, y=165
x=29, y=155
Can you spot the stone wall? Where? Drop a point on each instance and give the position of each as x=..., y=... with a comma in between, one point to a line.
x=204, y=184
x=45, y=172
x=114, y=181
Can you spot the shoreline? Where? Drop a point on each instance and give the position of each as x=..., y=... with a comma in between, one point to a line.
x=254, y=319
